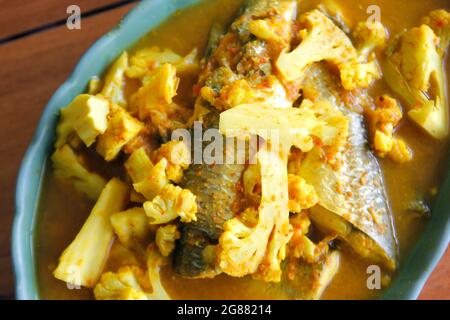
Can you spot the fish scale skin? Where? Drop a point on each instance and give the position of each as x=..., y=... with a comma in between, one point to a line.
x=215, y=186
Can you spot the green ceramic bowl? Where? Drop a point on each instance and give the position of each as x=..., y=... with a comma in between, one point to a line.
x=145, y=16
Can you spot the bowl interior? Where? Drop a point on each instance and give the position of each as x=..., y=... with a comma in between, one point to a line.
x=145, y=16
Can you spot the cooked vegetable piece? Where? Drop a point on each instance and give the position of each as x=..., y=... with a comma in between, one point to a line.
x=134, y=283
x=125, y=284
x=414, y=70
x=302, y=196
x=155, y=261
x=120, y=256
x=155, y=181
x=301, y=246
x=382, y=122
x=368, y=36
x=165, y=239
x=362, y=71
x=114, y=83
x=400, y=151
x=122, y=128
x=87, y=116
x=131, y=227
x=159, y=88
x=309, y=281
x=81, y=264
x=252, y=183
x=139, y=165
x=322, y=40
x=298, y=125
x=178, y=158
x=148, y=59
x=359, y=75
x=242, y=249
x=68, y=165
x=439, y=21
x=171, y=203
x=247, y=250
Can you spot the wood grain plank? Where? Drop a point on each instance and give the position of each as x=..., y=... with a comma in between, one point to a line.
x=438, y=285
x=24, y=15
x=32, y=69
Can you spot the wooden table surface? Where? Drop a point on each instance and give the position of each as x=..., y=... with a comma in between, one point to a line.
x=37, y=54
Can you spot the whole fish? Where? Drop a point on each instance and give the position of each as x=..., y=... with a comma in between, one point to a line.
x=238, y=55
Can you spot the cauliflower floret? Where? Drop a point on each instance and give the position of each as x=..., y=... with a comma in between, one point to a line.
x=386, y=116
x=171, y=117
x=235, y=93
x=322, y=40
x=267, y=89
x=247, y=250
x=400, y=152
x=82, y=262
x=414, y=69
x=150, y=180
x=258, y=249
x=264, y=30
x=120, y=256
x=165, y=239
x=138, y=165
x=382, y=122
x=171, y=203
x=148, y=59
x=302, y=196
x=382, y=143
x=303, y=247
x=439, y=21
x=122, y=128
x=159, y=88
x=87, y=116
x=362, y=71
x=275, y=29
x=155, y=181
x=131, y=227
x=300, y=223
x=67, y=165
x=300, y=246
x=124, y=284
x=154, y=263
x=295, y=125
x=251, y=179
x=114, y=83
x=134, y=283
x=368, y=37
x=359, y=75
x=309, y=281
x=178, y=158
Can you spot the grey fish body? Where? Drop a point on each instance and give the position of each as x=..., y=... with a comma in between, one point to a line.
x=215, y=186
x=361, y=200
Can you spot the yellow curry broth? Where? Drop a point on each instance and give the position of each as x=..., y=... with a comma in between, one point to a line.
x=62, y=211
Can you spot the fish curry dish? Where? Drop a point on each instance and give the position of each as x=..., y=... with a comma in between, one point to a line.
x=260, y=149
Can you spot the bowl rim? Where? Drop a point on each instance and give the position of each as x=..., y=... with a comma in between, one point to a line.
x=420, y=262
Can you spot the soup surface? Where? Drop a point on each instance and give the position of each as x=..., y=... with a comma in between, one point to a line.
x=62, y=211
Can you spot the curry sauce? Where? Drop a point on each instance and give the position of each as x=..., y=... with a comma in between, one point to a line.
x=62, y=211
